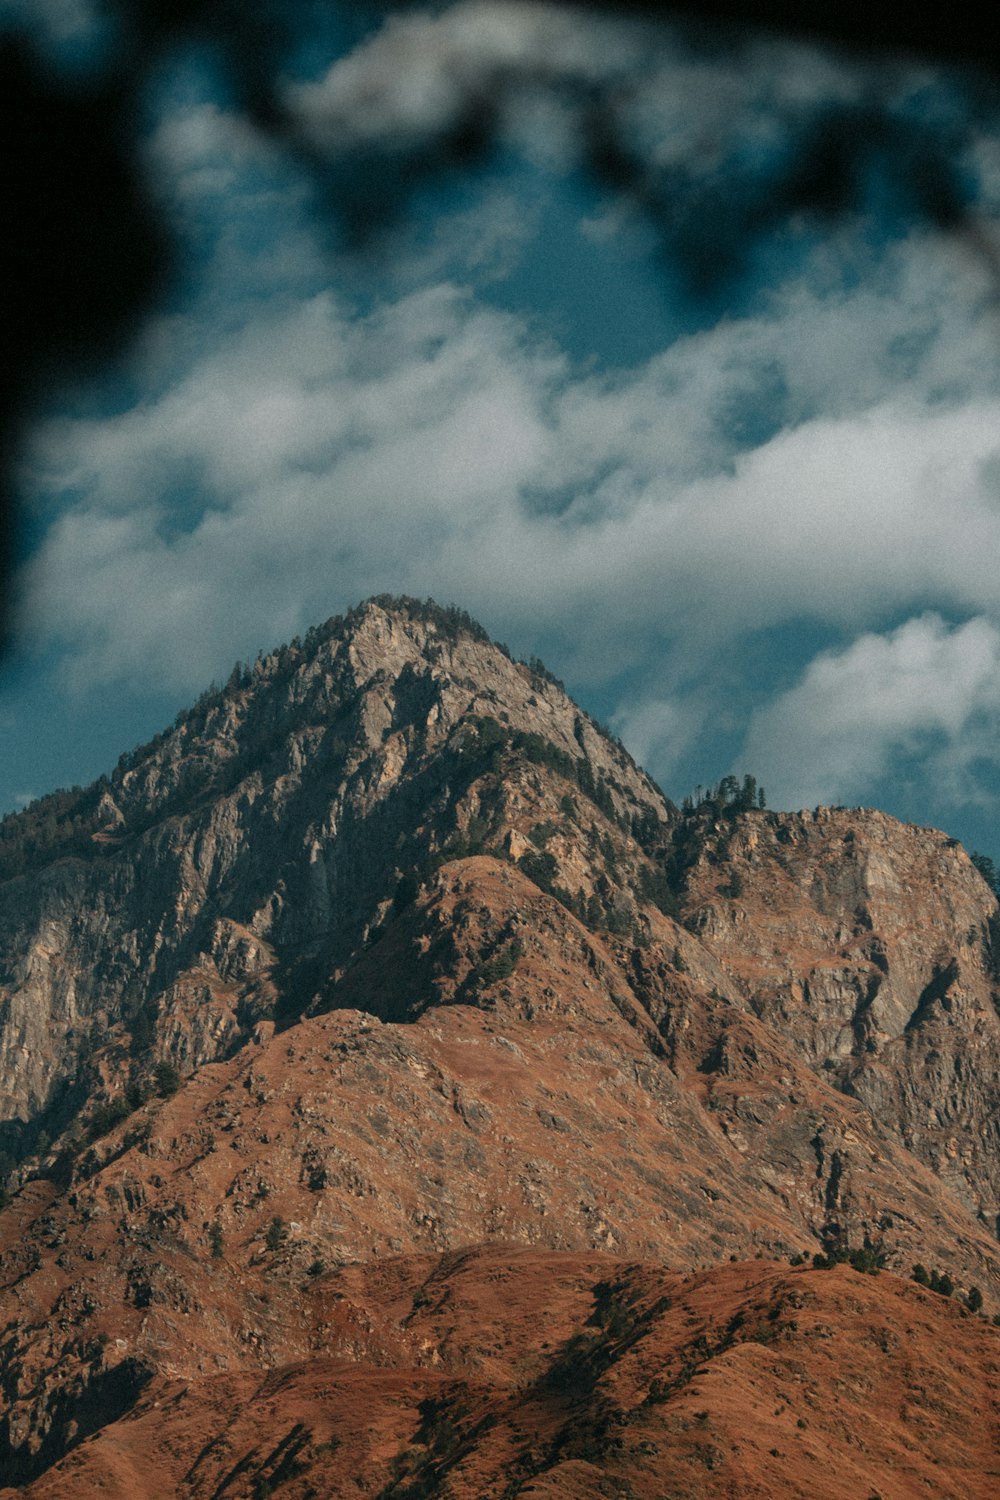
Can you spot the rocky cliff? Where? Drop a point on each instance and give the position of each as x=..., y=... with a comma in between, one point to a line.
x=386, y=950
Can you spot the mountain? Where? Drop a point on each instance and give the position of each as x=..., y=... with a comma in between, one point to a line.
x=402, y=1097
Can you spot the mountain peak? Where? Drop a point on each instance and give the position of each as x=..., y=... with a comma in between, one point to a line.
x=256, y=842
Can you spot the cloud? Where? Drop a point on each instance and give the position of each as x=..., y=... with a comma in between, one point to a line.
x=483, y=243
x=661, y=732
x=705, y=133
x=833, y=458
x=926, y=688
x=306, y=459
x=419, y=73
x=684, y=103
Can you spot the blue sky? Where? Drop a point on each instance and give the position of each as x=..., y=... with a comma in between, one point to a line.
x=753, y=531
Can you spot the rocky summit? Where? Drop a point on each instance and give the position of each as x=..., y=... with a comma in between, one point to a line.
x=400, y=1097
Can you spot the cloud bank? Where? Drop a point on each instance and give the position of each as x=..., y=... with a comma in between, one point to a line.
x=829, y=461
x=925, y=688
x=434, y=445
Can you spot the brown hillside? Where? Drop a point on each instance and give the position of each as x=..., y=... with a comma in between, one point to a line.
x=495, y=1372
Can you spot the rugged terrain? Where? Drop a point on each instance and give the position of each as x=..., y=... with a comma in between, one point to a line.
x=380, y=1040
x=503, y=1371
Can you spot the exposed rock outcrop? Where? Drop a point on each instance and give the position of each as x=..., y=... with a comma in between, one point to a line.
x=868, y=945
x=227, y=868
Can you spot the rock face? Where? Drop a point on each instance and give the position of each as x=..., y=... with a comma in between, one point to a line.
x=868, y=945
x=232, y=865
x=386, y=950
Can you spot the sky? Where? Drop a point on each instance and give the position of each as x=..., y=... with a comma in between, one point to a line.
x=753, y=523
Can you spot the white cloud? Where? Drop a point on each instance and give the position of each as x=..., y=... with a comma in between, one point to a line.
x=421, y=72
x=329, y=457
x=200, y=150
x=74, y=37
x=311, y=456
x=925, y=687
x=689, y=108
x=484, y=242
x=660, y=732
x=694, y=109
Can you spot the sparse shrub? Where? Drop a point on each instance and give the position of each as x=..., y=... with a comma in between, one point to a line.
x=106, y=1115
x=500, y=966
x=540, y=867
x=987, y=870
x=136, y=1093
x=142, y=1025
x=654, y=885
x=935, y=1281
x=619, y=922
x=476, y=834
x=541, y=833
x=316, y=1177
x=867, y=1259
x=166, y=1079
x=974, y=1299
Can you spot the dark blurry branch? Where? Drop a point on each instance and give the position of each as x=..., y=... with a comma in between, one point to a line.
x=962, y=35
